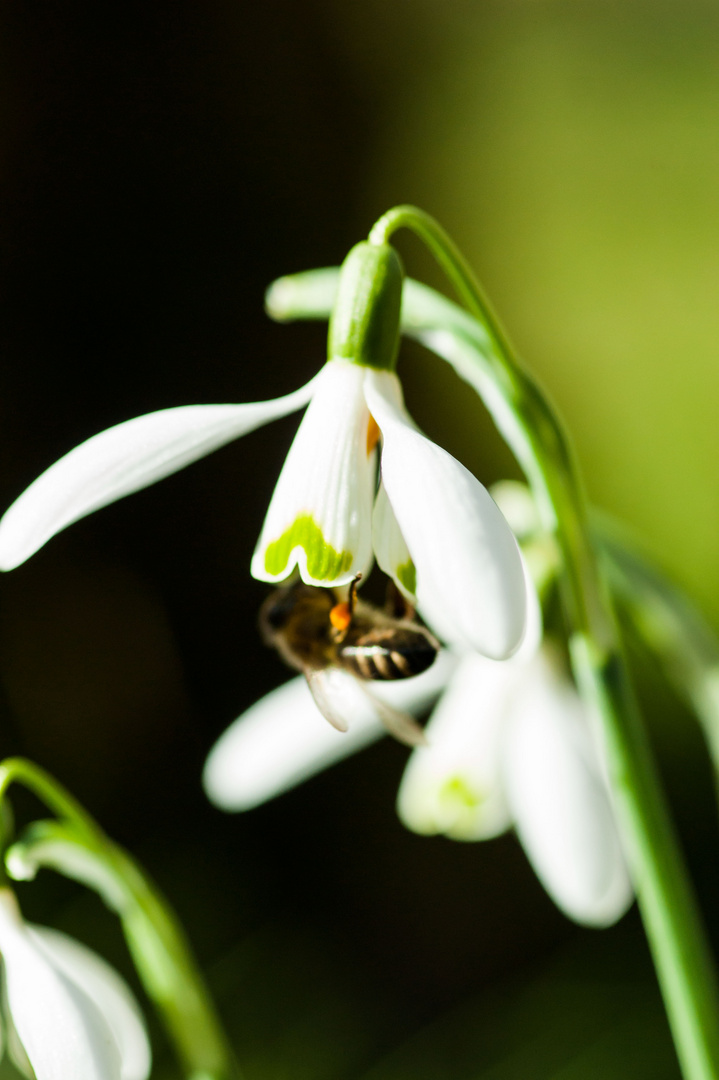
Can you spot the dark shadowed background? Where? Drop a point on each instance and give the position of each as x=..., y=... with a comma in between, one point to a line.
x=160, y=164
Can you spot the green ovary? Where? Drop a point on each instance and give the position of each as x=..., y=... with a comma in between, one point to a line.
x=407, y=576
x=324, y=563
x=457, y=792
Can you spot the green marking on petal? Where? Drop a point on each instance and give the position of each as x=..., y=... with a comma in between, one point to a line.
x=324, y=563
x=457, y=791
x=407, y=576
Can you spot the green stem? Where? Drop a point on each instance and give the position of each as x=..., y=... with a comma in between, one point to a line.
x=49, y=791
x=452, y=261
x=158, y=944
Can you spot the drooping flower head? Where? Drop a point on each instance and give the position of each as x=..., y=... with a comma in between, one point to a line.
x=67, y=1014
x=430, y=524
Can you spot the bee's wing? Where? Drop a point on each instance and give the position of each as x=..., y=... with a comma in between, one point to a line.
x=400, y=724
x=330, y=688
x=341, y=698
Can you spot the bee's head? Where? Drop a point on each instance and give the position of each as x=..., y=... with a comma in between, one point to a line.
x=290, y=603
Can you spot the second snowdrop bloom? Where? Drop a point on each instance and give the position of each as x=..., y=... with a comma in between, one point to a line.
x=432, y=526
x=68, y=1015
x=512, y=745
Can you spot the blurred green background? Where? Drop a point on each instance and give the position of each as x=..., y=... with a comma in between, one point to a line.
x=160, y=163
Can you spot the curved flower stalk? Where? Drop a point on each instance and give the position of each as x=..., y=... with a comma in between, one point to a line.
x=432, y=526
x=73, y=1017
x=68, y=1015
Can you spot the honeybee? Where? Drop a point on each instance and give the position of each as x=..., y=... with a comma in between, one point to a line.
x=327, y=639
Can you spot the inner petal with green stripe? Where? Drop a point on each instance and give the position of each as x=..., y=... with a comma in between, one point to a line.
x=320, y=516
x=321, y=560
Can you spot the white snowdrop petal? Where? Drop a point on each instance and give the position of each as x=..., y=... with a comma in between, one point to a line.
x=61, y=1029
x=15, y=1049
x=277, y=743
x=283, y=739
x=533, y=627
x=320, y=516
x=454, y=785
x=390, y=548
x=52, y=847
x=124, y=459
x=470, y=582
x=107, y=990
x=559, y=801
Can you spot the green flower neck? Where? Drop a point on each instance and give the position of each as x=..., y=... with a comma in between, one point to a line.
x=365, y=322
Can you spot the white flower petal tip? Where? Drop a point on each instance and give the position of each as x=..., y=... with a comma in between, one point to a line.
x=315, y=292
x=108, y=991
x=560, y=803
x=279, y=742
x=470, y=581
x=69, y=1015
x=124, y=459
x=283, y=738
x=320, y=516
x=454, y=785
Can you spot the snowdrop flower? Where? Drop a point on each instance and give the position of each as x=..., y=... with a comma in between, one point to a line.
x=512, y=745
x=68, y=1015
x=431, y=525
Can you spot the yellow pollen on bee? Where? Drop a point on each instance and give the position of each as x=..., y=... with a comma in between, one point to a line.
x=373, y=434
x=341, y=616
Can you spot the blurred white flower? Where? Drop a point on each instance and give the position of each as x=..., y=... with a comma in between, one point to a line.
x=68, y=1015
x=432, y=525
x=512, y=745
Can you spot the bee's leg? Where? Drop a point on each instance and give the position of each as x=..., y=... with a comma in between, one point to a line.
x=396, y=605
x=341, y=614
x=352, y=600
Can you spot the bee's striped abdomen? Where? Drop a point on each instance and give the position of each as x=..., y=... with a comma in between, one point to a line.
x=389, y=653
